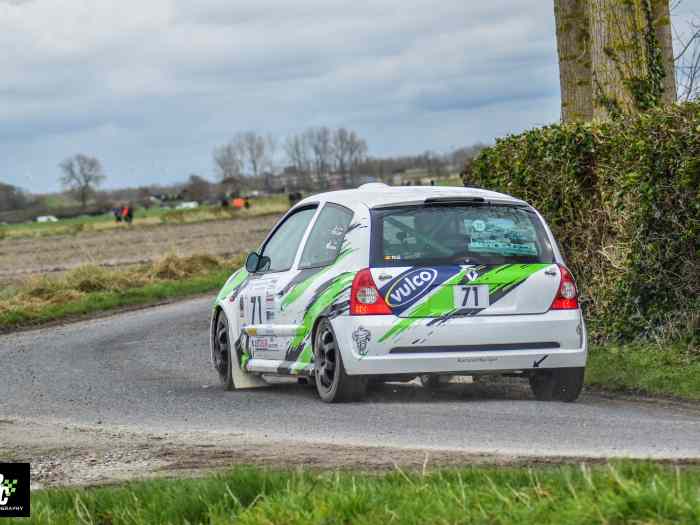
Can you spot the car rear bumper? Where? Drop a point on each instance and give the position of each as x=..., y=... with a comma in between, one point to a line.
x=555, y=339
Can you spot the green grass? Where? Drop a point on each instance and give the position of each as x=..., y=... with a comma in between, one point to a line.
x=672, y=369
x=93, y=289
x=104, y=301
x=620, y=493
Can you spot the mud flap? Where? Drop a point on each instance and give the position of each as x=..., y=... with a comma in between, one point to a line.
x=241, y=378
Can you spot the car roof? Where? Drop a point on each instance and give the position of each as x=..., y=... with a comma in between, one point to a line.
x=378, y=195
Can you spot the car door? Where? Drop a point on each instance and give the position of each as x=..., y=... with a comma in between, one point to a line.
x=311, y=292
x=259, y=304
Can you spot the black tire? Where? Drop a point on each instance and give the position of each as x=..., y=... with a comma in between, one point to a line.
x=333, y=384
x=557, y=384
x=222, y=351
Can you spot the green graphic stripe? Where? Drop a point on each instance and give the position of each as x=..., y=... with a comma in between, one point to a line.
x=511, y=274
x=234, y=282
x=326, y=299
x=245, y=357
x=305, y=358
x=300, y=288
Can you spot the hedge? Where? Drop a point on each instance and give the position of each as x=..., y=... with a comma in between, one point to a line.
x=623, y=200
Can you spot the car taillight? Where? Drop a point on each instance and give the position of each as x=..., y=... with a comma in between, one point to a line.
x=365, y=298
x=567, y=295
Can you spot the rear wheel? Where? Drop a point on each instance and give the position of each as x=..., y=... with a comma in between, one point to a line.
x=222, y=351
x=557, y=384
x=333, y=384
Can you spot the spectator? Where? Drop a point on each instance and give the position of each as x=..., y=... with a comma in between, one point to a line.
x=128, y=213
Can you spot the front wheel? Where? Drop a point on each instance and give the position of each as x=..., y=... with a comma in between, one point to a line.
x=221, y=346
x=557, y=384
x=333, y=384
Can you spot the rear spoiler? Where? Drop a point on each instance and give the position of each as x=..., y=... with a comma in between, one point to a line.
x=442, y=201
x=455, y=200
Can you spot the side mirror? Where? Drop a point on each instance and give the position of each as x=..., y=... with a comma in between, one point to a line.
x=252, y=262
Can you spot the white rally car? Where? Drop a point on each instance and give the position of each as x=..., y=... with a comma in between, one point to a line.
x=387, y=283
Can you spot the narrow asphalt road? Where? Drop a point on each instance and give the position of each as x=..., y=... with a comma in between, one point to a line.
x=149, y=369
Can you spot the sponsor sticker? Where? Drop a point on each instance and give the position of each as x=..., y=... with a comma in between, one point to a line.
x=263, y=343
x=410, y=286
x=361, y=336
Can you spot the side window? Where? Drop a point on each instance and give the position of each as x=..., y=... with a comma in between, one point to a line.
x=326, y=237
x=282, y=247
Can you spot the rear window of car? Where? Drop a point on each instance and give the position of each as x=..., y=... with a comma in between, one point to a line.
x=458, y=234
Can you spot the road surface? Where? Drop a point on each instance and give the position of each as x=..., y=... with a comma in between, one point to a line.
x=149, y=370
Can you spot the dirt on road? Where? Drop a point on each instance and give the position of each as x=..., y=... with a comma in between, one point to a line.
x=23, y=257
x=64, y=454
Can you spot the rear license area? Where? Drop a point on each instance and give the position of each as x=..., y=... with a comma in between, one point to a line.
x=466, y=296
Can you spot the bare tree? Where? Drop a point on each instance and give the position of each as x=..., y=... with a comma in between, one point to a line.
x=320, y=140
x=229, y=160
x=687, y=60
x=12, y=198
x=341, y=150
x=357, y=154
x=299, y=155
x=81, y=175
x=298, y=152
x=253, y=146
x=197, y=188
x=269, y=160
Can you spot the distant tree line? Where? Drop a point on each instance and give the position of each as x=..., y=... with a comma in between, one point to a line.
x=249, y=162
x=311, y=155
x=318, y=154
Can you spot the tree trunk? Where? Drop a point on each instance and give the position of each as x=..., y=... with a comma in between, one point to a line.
x=573, y=46
x=605, y=63
x=661, y=13
x=616, y=55
x=621, y=60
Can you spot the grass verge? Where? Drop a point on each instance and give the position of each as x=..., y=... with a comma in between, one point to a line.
x=672, y=369
x=92, y=289
x=618, y=493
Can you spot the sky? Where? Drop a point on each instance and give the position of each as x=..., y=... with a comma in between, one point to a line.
x=152, y=87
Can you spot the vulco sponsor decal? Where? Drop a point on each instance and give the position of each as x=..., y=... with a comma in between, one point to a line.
x=410, y=287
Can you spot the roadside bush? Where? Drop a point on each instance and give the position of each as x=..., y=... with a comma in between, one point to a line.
x=623, y=200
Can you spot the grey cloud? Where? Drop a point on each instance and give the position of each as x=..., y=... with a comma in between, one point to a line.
x=160, y=83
